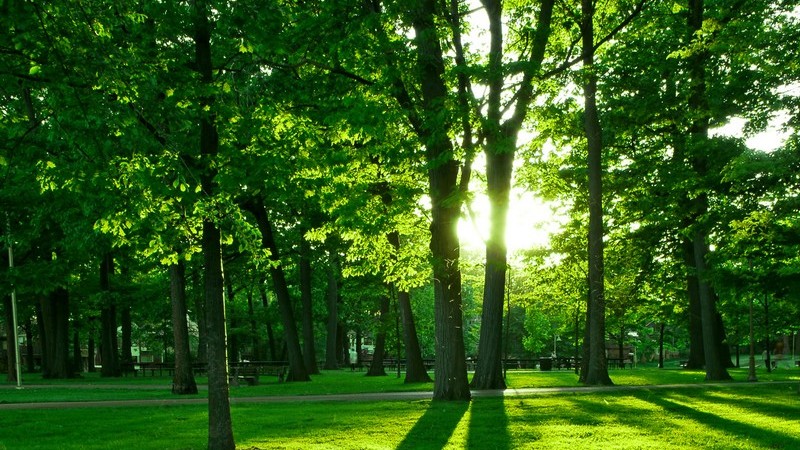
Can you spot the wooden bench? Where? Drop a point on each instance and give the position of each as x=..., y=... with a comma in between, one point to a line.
x=248, y=374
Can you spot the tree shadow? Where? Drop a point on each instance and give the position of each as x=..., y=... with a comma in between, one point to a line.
x=488, y=424
x=757, y=400
x=731, y=427
x=435, y=427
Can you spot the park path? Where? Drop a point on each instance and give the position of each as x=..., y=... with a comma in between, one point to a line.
x=363, y=397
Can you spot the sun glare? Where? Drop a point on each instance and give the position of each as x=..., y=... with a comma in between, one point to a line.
x=530, y=223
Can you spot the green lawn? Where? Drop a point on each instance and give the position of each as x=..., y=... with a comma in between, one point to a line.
x=737, y=415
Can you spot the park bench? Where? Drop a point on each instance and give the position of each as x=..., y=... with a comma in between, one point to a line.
x=797, y=363
x=249, y=372
x=683, y=364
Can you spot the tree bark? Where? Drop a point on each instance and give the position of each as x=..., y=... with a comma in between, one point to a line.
x=597, y=367
x=307, y=301
x=183, y=381
x=332, y=296
x=501, y=143
x=696, y=360
x=109, y=348
x=297, y=367
x=126, y=357
x=220, y=429
x=451, y=369
x=698, y=135
x=55, y=349
x=376, y=366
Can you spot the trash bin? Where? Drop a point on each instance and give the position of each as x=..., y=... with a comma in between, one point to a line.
x=545, y=364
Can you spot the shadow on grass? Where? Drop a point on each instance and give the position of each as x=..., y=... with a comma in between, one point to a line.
x=488, y=424
x=764, y=402
x=435, y=427
x=731, y=427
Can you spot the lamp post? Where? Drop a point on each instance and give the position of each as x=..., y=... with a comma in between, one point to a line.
x=13, y=304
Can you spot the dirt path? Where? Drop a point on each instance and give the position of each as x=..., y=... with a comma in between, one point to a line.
x=365, y=397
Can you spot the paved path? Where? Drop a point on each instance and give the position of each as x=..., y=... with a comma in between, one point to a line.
x=377, y=396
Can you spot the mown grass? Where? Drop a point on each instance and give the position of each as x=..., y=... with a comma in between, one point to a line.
x=738, y=416
x=92, y=387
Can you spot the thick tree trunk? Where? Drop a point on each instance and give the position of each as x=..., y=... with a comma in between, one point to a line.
x=697, y=359
x=715, y=370
x=597, y=367
x=55, y=349
x=126, y=357
x=415, y=365
x=297, y=367
x=183, y=381
x=489, y=370
x=306, y=299
x=109, y=348
x=220, y=429
x=376, y=367
x=698, y=136
x=332, y=296
x=451, y=369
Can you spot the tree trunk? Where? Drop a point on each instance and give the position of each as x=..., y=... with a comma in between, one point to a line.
x=55, y=349
x=415, y=365
x=489, y=370
x=332, y=297
x=451, y=369
x=698, y=135
x=376, y=367
x=715, y=370
x=597, y=367
x=127, y=341
x=306, y=299
x=220, y=429
x=11, y=356
x=109, y=348
x=297, y=367
x=696, y=360
x=183, y=381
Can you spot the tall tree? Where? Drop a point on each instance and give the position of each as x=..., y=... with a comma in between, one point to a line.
x=183, y=381
x=220, y=430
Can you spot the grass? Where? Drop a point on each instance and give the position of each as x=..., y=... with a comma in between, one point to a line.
x=736, y=415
